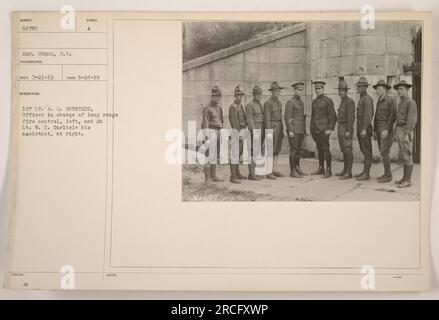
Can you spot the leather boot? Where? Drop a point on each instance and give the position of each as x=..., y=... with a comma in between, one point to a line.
x=404, y=176
x=328, y=158
x=408, y=169
x=207, y=177
x=238, y=174
x=271, y=176
x=368, y=166
x=349, y=163
x=387, y=176
x=292, y=163
x=295, y=174
x=346, y=176
x=409, y=173
x=251, y=173
x=365, y=176
x=359, y=174
x=362, y=172
x=213, y=174
x=275, y=167
x=341, y=173
x=299, y=171
x=321, y=169
x=233, y=176
x=328, y=173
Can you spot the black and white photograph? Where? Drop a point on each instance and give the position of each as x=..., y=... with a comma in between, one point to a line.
x=302, y=111
x=255, y=152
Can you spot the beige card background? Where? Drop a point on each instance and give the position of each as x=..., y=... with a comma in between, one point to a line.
x=109, y=204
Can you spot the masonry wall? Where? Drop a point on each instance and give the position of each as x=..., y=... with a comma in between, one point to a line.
x=326, y=51
x=282, y=60
x=343, y=49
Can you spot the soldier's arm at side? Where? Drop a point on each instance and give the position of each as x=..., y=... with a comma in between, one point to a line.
x=288, y=116
x=332, y=115
x=267, y=115
x=205, y=118
x=304, y=121
x=233, y=117
x=412, y=116
x=350, y=116
x=221, y=115
x=244, y=115
x=375, y=120
x=205, y=122
x=368, y=112
x=393, y=114
x=249, y=116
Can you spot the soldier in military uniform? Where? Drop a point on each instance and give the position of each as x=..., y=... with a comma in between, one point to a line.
x=345, y=120
x=406, y=119
x=273, y=120
x=323, y=120
x=385, y=116
x=254, y=115
x=364, y=127
x=237, y=121
x=212, y=120
x=296, y=124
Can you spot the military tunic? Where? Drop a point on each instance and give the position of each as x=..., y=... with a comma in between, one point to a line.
x=212, y=117
x=385, y=117
x=238, y=122
x=407, y=117
x=273, y=120
x=254, y=116
x=364, y=122
x=212, y=120
x=237, y=116
x=323, y=118
x=345, y=120
x=323, y=115
x=295, y=122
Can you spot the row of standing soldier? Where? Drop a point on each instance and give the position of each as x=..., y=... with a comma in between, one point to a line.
x=323, y=119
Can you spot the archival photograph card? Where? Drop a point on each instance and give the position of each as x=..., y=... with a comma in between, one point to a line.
x=285, y=151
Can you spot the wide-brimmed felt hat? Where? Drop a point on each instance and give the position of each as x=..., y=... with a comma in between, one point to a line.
x=298, y=84
x=257, y=90
x=275, y=86
x=342, y=85
x=402, y=83
x=381, y=83
x=362, y=82
x=238, y=91
x=216, y=91
x=319, y=83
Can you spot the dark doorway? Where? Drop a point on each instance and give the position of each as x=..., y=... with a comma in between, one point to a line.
x=417, y=93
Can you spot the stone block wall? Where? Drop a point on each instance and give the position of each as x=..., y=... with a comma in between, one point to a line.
x=343, y=50
x=327, y=51
x=281, y=60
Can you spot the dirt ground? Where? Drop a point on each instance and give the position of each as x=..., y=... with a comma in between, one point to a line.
x=310, y=188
